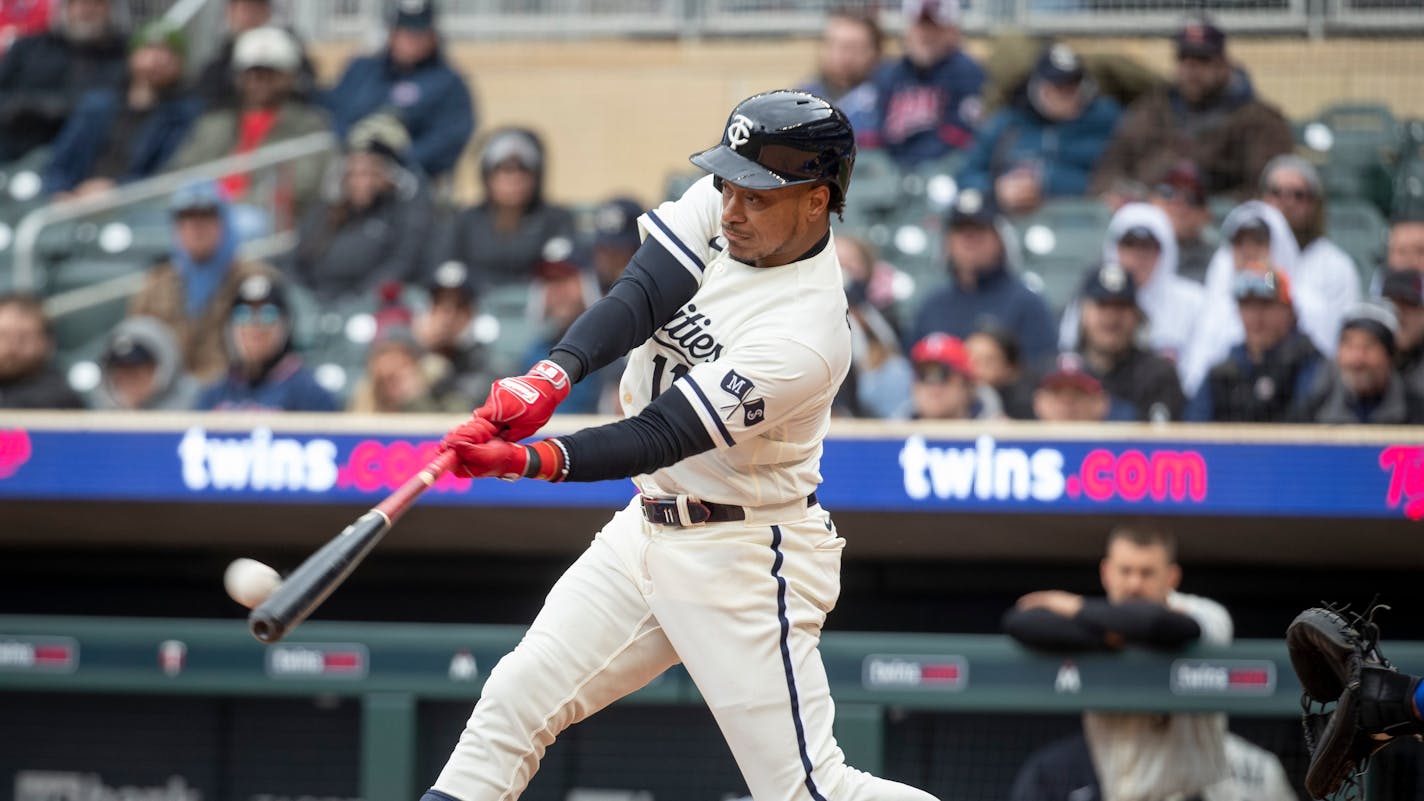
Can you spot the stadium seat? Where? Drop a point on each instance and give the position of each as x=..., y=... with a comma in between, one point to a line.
x=1409, y=188
x=875, y=188
x=1360, y=230
x=1058, y=242
x=1361, y=144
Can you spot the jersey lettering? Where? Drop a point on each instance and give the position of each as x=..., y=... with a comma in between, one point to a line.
x=687, y=332
x=659, y=367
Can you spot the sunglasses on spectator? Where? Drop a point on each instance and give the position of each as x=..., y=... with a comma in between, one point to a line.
x=265, y=314
x=1298, y=195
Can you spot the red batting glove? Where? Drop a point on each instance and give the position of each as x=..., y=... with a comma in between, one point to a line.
x=521, y=405
x=509, y=460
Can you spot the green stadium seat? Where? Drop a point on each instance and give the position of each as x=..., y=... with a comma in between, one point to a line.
x=1364, y=142
x=1360, y=230
x=1409, y=189
x=1058, y=242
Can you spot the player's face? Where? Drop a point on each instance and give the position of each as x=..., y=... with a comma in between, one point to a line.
x=772, y=227
x=1132, y=572
x=1406, y=246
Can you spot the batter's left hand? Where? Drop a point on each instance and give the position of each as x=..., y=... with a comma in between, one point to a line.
x=490, y=458
x=1063, y=604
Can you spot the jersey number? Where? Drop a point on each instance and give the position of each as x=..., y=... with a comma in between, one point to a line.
x=659, y=367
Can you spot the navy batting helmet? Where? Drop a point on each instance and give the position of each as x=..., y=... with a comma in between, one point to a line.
x=784, y=138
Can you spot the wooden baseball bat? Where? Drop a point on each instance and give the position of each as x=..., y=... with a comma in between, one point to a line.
x=322, y=572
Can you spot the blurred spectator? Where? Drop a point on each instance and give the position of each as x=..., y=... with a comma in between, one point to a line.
x=1140, y=240
x=267, y=62
x=399, y=379
x=927, y=102
x=1292, y=185
x=22, y=18
x=981, y=290
x=28, y=377
x=1257, y=238
x=995, y=360
x=944, y=387
x=215, y=85
x=1405, y=290
x=562, y=291
x=266, y=373
x=1210, y=115
x=615, y=239
x=120, y=135
x=880, y=374
x=1405, y=250
x=1180, y=193
x=446, y=331
x=1047, y=143
x=1142, y=385
x=142, y=369
x=850, y=51
x=1013, y=53
x=1134, y=755
x=43, y=76
x=192, y=290
x=377, y=227
x=502, y=238
x=1366, y=387
x=1267, y=378
x=1068, y=393
x=411, y=79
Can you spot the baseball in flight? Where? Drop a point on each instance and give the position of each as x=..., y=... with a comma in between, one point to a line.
x=249, y=582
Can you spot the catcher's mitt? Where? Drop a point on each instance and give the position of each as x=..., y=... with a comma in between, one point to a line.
x=1338, y=662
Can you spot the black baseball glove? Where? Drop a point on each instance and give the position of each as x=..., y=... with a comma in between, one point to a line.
x=1338, y=661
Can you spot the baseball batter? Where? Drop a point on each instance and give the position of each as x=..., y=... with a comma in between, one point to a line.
x=733, y=317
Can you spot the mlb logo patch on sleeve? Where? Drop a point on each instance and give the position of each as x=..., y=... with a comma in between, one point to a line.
x=737, y=386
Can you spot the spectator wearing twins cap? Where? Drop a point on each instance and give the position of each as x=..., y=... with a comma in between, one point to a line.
x=944, y=387
x=1268, y=377
x=1365, y=387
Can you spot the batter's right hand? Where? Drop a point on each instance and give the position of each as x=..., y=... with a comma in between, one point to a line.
x=521, y=405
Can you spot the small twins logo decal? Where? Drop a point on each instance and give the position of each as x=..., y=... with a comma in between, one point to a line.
x=739, y=131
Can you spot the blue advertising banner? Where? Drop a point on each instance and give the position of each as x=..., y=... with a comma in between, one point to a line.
x=910, y=472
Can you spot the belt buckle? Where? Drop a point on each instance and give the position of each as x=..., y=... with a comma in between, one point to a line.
x=681, y=511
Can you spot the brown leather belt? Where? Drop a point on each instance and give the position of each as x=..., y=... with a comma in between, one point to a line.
x=665, y=511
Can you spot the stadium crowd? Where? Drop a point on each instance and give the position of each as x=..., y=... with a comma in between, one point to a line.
x=1262, y=318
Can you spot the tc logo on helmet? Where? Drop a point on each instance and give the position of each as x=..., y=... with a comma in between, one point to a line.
x=739, y=132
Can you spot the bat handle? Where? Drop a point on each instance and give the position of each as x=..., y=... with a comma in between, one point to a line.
x=400, y=500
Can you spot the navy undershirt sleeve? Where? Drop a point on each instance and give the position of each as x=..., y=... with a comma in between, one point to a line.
x=667, y=431
x=653, y=287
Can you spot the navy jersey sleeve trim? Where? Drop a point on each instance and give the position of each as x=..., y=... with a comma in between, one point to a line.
x=695, y=262
x=667, y=431
x=651, y=290
x=711, y=410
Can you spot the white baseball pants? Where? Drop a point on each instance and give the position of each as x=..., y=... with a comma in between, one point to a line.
x=739, y=604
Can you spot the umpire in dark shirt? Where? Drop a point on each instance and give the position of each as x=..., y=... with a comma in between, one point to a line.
x=1140, y=382
x=1268, y=377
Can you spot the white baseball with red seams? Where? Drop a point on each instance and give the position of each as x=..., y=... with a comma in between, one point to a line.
x=759, y=354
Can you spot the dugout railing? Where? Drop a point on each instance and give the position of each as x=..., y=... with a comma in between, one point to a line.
x=393, y=673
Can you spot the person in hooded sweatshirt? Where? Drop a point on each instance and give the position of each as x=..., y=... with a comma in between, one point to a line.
x=982, y=291
x=1048, y=141
x=1292, y=185
x=502, y=239
x=192, y=290
x=142, y=369
x=1141, y=240
x=266, y=373
x=1256, y=238
x=411, y=79
x=376, y=226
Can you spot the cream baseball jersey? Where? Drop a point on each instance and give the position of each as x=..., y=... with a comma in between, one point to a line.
x=759, y=353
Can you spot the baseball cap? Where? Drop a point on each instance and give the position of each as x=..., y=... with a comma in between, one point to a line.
x=1374, y=319
x=127, y=351
x=454, y=276
x=971, y=207
x=160, y=34
x=202, y=196
x=940, y=12
x=1109, y=284
x=1200, y=39
x=261, y=289
x=1069, y=372
x=269, y=47
x=615, y=223
x=1183, y=179
x=415, y=15
x=556, y=260
x=1270, y=285
x=1058, y=64
x=1404, y=286
x=941, y=354
x=512, y=143
x=381, y=132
